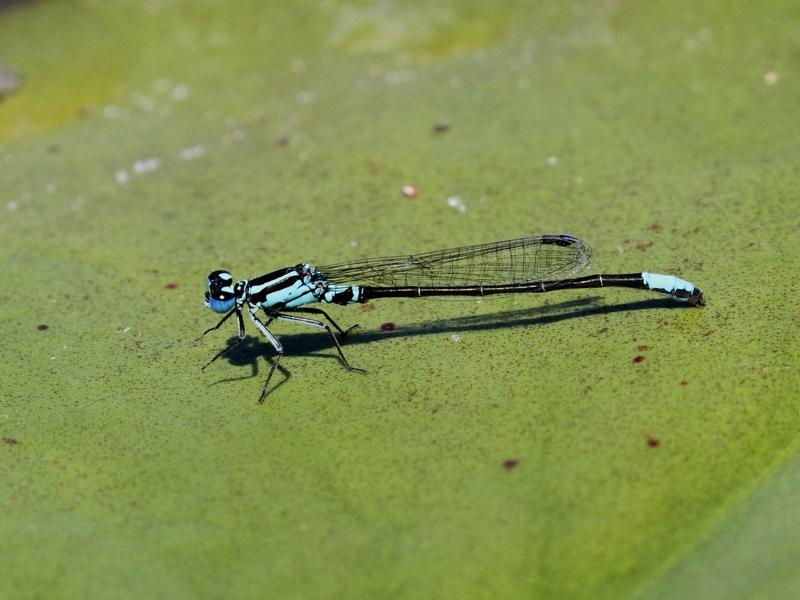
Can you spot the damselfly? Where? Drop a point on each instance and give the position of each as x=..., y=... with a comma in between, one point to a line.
x=526, y=265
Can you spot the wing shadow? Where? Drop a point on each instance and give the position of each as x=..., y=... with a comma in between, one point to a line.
x=317, y=343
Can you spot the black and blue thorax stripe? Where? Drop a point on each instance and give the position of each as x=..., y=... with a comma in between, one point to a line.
x=292, y=287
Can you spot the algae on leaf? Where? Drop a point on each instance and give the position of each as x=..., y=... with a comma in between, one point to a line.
x=592, y=444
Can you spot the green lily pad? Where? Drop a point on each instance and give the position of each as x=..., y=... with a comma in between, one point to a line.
x=581, y=444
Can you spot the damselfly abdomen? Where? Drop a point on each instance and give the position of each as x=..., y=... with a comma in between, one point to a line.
x=526, y=265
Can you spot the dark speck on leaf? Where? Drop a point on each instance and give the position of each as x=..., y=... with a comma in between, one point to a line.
x=388, y=326
x=10, y=441
x=42, y=327
x=171, y=286
x=510, y=463
x=638, y=359
x=283, y=141
x=441, y=128
x=684, y=382
x=653, y=442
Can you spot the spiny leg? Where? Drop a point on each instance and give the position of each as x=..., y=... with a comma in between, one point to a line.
x=275, y=344
x=321, y=325
x=275, y=364
x=229, y=347
x=225, y=350
x=217, y=326
x=319, y=311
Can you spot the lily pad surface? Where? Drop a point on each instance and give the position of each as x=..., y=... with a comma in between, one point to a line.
x=602, y=443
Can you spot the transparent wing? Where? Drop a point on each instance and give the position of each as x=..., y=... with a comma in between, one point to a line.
x=534, y=258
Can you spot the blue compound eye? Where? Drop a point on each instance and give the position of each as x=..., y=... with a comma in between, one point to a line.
x=221, y=305
x=220, y=296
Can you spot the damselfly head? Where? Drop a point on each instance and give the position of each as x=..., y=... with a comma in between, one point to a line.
x=221, y=295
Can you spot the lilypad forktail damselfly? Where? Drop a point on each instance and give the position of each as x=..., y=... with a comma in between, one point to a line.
x=534, y=264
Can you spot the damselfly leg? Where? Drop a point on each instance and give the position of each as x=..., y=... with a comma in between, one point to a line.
x=272, y=315
x=321, y=325
x=218, y=325
x=224, y=351
x=319, y=311
x=274, y=343
x=232, y=345
x=262, y=327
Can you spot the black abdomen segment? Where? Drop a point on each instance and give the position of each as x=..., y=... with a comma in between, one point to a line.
x=689, y=293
